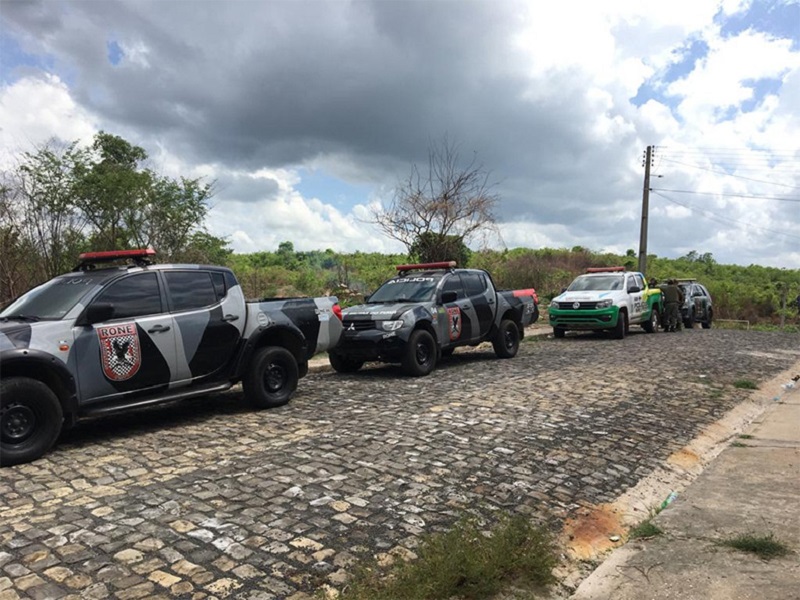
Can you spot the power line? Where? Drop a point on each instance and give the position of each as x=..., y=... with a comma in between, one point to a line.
x=724, y=220
x=726, y=174
x=779, y=198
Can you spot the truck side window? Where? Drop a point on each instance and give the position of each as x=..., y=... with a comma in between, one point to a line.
x=134, y=296
x=218, y=279
x=190, y=289
x=453, y=284
x=474, y=283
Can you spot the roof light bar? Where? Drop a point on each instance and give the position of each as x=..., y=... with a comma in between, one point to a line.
x=605, y=269
x=140, y=257
x=434, y=265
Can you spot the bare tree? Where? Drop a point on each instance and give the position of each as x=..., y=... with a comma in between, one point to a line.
x=444, y=204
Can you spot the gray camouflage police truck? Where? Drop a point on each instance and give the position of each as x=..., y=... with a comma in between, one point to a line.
x=106, y=338
x=426, y=312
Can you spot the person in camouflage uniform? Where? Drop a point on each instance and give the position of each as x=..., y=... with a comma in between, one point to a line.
x=673, y=298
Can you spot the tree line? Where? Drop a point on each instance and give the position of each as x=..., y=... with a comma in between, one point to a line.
x=62, y=199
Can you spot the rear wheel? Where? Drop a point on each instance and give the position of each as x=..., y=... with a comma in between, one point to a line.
x=506, y=340
x=651, y=325
x=272, y=377
x=707, y=322
x=30, y=420
x=419, y=357
x=344, y=364
x=621, y=327
x=559, y=332
x=689, y=323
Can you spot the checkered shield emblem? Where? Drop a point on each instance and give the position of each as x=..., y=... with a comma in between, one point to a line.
x=120, y=351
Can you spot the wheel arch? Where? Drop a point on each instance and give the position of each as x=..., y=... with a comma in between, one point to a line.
x=281, y=336
x=41, y=366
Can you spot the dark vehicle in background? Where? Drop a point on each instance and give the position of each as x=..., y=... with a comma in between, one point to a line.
x=697, y=305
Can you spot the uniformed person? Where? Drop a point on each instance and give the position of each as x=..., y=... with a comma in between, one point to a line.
x=673, y=298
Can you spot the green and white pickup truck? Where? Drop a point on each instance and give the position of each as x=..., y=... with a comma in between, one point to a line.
x=606, y=298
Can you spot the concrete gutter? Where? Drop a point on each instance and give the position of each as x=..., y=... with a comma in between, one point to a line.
x=752, y=487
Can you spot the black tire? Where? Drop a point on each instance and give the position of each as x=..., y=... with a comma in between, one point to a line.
x=621, y=327
x=30, y=420
x=419, y=357
x=506, y=340
x=343, y=364
x=272, y=377
x=707, y=322
x=651, y=325
x=689, y=323
x=559, y=332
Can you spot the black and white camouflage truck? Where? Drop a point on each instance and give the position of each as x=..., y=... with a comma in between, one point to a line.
x=106, y=338
x=426, y=312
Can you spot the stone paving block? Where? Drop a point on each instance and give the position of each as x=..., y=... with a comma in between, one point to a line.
x=208, y=497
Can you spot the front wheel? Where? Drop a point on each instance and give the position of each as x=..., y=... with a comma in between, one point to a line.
x=343, y=364
x=506, y=341
x=30, y=420
x=272, y=378
x=621, y=328
x=419, y=357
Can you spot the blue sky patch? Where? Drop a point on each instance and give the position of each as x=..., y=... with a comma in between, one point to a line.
x=342, y=195
x=761, y=89
x=685, y=59
x=778, y=18
x=13, y=59
x=115, y=53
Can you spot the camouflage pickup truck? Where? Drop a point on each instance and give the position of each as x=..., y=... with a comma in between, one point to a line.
x=107, y=338
x=426, y=312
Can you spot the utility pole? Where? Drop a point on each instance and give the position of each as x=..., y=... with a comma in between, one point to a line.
x=648, y=159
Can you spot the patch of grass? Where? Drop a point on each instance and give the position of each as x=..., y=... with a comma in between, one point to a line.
x=745, y=384
x=739, y=445
x=464, y=562
x=645, y=529
x=745, y=436
x=764, y=546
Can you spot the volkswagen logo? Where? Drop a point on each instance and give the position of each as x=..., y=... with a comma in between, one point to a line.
x=576, y=305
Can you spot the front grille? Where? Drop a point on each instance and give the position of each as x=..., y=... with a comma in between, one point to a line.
x=352, y=325
x=581, y=305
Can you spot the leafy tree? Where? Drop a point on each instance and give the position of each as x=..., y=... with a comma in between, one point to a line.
x=433, y=247
x=443, y=202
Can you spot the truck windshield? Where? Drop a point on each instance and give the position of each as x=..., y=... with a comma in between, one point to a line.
x=406, y=289
x=596, y=283
x=51, y=300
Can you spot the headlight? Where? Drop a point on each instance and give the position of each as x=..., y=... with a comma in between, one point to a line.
x=391, y=325
x=605, y=303
x=553, y=304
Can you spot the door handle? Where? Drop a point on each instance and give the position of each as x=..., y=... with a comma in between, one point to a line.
x=158, y=329
x=230, y=318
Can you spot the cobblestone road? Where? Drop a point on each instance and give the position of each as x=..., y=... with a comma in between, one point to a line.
x=208, y=499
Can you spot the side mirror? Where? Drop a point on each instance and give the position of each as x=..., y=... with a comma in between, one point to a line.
x=634, y=289
x=448, y=297
x=563, y=290
x=97, y=313
x=366, y=297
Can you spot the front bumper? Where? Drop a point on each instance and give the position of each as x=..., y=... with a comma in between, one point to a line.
x=598, y=318
x=372, y=345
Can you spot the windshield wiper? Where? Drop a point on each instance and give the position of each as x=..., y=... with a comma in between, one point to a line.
x=28, y=318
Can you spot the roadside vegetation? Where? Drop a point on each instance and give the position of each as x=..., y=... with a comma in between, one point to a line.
x=765, y=546
x=63, y=199
x=464, y=562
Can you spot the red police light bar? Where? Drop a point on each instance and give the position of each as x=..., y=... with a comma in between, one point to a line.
x=450, y=264
x=529, y=292
x=110, y=255
x=604, y=269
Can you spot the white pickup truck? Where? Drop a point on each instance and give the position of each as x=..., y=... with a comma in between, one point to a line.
x=606, y=298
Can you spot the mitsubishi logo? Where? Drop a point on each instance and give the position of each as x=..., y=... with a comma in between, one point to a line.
x=576, y=305
x=352, y=327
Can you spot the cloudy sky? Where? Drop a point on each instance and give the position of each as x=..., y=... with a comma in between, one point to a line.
x=306, y=112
